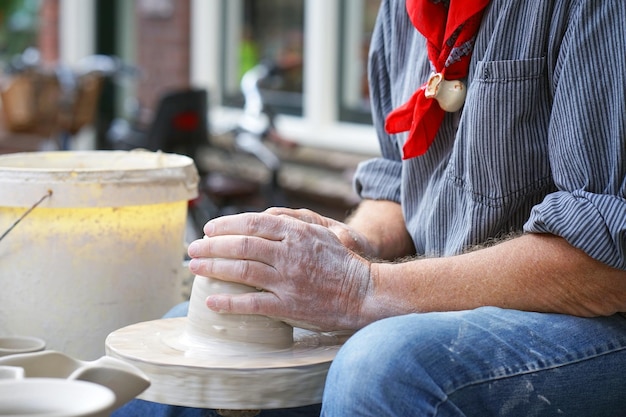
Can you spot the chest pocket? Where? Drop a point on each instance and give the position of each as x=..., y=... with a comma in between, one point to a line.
x=501, y=148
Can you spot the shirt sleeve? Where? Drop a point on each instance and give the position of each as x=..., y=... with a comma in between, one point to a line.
x=587, y=135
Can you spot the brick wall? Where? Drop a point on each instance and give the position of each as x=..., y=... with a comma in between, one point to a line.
x=48, y=40
x=162, y=50
x=163, y=40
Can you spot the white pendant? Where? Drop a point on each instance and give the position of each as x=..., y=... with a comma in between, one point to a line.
x=449, y=94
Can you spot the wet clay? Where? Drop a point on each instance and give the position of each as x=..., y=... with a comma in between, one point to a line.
x=227, y=361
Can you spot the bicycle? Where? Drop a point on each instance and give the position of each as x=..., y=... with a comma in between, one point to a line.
x=56, y=101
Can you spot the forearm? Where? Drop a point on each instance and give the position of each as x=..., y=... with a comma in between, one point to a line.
x=533, y=272
x=382, y=223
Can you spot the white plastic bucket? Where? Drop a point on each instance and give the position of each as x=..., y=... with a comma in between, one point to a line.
x=102, y=250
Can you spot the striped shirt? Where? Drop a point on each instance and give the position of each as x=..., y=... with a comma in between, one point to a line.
x=540, y=144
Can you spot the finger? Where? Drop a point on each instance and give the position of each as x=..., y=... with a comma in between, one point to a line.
x=262, y=303
x=250, y=224
x=346, y=235
x=252, y=273
x=305, y=215
x=277, y=211
x=235, y=248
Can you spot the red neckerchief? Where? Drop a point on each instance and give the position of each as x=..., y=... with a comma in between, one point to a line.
x=449, y=27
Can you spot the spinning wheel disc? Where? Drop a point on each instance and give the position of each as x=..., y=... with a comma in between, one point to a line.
x=189, y=364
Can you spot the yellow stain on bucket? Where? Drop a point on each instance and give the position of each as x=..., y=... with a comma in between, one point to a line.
x=104, y=251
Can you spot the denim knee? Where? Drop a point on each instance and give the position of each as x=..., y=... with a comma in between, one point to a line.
x=481, y=361
x=376, y=370
x=179, y=310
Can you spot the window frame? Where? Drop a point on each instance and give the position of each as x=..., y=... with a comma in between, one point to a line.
x=350, y=74
x=319, y=125
x=283, y=102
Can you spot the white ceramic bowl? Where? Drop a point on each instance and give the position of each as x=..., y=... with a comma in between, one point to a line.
x=11, y=345
x=52, y=397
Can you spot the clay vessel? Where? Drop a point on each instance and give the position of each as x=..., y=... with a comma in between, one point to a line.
x=123, y=379
x=450, y=94
x=11, y=345
x=53, y=397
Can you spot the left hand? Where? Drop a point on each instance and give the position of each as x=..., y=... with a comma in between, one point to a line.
x=309, y=278
x=350, y=238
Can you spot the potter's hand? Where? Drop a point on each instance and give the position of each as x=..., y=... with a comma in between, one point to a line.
x=352, y=239
x=310, y=279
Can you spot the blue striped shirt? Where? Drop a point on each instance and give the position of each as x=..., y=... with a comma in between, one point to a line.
x=540, y=144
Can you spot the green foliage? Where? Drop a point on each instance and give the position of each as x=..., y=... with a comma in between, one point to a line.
x=18, y=26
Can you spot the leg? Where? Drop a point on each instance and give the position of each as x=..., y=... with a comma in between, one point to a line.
x=484, y=362
x=141, y=408
x=179, y=310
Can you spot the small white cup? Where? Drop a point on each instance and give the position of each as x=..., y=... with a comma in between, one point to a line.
x=12, y=345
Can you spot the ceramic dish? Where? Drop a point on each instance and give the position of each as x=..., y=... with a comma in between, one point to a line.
x=11, y=345
x=53, y=397
x=125, y=380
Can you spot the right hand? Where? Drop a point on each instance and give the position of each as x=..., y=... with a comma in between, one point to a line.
x=308, y=277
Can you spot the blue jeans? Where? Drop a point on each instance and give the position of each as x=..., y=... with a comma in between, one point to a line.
x=483, y=362
x=140, y=408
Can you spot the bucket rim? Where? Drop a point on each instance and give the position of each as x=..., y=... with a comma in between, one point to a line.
x=165, y=160
x=96, y=178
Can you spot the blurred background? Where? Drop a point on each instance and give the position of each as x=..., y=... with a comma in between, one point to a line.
x=319, y=101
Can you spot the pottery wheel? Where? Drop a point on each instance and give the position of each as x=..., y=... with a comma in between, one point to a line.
x=227, y=361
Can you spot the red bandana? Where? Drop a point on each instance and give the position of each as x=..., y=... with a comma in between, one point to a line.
x=450, y=28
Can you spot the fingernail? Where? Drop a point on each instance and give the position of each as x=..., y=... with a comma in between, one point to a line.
x=209, y=228
x=193, y=265
x=211, y=303
x=192, y=248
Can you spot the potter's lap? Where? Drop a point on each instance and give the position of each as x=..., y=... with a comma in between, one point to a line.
x=472, y=333
x=179, y=310
x=440, y=363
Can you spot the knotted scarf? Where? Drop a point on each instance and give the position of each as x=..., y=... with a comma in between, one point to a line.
x=449, y=27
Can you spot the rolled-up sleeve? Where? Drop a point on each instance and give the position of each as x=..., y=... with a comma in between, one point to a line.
x=377, y=179
x=587, y=136
x=592, y=222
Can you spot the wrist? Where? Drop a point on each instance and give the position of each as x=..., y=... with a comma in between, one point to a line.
x=381, y=224
x=381, y=299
